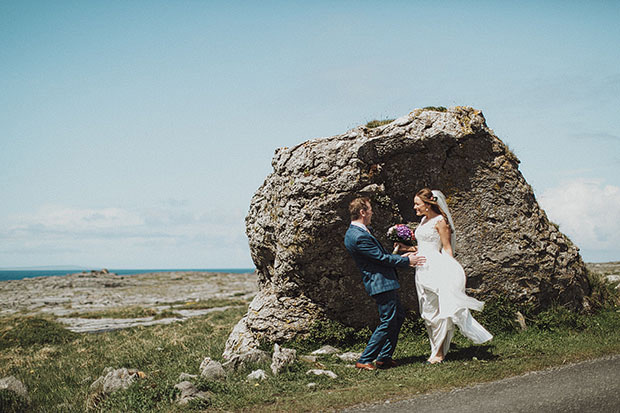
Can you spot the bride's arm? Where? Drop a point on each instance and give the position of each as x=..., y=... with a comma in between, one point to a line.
x=444, y=236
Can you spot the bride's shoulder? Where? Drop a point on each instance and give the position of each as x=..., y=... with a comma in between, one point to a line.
x=439, y=221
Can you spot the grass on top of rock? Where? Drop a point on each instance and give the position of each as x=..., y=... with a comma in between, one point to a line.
x=58, y=367
x=376, y=123
x=435, y=108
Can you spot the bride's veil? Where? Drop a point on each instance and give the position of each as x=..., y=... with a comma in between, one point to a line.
x=441, y=201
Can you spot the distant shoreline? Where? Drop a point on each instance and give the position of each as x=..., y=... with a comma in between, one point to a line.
x=12, y=275
x=79, y=293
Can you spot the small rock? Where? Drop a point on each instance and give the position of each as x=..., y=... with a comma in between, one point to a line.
x=189, y=392
x=257, y=375
x=240, y=361
x=14, y=385
x=187, y=376
x=114, y=380
x=318, y=372
x=521, y=320
x=612, y=278
x=311, y=385
x=350, y=356
x=211, y=369
x=308, y=359
x=281, y=358
x=326, y=350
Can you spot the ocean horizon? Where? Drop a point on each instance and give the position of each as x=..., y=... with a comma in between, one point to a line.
x=7, y=275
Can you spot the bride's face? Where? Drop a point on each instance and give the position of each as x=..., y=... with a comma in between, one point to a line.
x=419, y=206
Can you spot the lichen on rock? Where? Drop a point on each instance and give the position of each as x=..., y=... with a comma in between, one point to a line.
x=298, y=217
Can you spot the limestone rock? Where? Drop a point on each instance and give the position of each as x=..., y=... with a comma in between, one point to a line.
x=612, y=278
x=14, y=385
x=211, y=369
x=243, y=360
x=257, y=375
x=349, y=356
x=189, y=392
x=110, y=381
x=281, y=358
x=520, y=319
x=320, y=372
x=298, y=217
x=187, y=376
x=114, y=380
x=325, y=350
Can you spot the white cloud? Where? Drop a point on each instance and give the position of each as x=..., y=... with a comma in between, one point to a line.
x=75, y=220
x=588, y=211
x=159, y=236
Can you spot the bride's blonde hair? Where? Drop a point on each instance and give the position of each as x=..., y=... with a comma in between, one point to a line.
x=426, y=195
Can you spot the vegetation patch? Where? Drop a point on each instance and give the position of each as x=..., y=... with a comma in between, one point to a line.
x=10, y=402
x=330, y=332
x=26, y=332
x=123, y=312
x=376, y=123
x=58, y=366
x=209, y=303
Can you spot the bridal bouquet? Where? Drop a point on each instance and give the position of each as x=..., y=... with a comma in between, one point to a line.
x=401, y=233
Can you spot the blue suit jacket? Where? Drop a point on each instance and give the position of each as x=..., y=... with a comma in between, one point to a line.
x=378, y=268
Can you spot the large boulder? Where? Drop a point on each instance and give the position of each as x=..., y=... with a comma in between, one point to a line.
x=298, y=218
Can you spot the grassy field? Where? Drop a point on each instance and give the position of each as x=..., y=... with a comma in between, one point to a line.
x=58, y=366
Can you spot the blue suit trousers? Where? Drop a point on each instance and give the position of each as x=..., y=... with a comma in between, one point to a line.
x=383, y=341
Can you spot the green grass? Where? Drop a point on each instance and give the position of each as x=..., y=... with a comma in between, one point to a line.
x=436, y=108
x=209, y=303
x=376, y=123
x=58, y=367
x=141, y=312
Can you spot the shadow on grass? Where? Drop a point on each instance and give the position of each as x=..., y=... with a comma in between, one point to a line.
x=411, y=360
x=457, y=353
x=481, y=352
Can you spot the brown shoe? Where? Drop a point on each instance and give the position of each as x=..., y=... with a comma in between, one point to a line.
x=386, y=364
x=367, y=366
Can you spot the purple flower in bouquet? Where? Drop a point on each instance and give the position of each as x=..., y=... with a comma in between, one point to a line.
x=402, y=233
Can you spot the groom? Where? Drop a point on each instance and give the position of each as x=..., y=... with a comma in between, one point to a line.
x=378, y=270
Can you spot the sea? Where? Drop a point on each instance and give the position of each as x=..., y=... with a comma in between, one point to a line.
x=6, y=275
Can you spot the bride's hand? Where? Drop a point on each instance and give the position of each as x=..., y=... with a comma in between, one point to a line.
x=405, y=248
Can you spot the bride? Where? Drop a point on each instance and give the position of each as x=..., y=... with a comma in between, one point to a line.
x=440, y=283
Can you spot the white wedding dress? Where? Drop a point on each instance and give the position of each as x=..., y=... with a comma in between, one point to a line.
x=440, y=283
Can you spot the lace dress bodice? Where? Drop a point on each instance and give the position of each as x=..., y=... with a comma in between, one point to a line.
x=427, y=235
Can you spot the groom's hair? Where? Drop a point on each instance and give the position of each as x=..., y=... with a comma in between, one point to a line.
x=358, y=205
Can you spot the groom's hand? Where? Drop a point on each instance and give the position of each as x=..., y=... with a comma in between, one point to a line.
x=415, y=260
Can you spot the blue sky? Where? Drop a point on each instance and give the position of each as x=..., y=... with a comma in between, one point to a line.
x=133, y=134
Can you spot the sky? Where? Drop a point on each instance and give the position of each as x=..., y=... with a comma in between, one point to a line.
x=133, y=134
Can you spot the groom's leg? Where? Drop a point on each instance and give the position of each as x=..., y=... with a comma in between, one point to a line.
x=396, y=318
x=380, y=335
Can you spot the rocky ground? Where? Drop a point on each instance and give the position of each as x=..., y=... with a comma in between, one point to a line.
x=67, y=297
x=605, y=268
x=75, y=294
